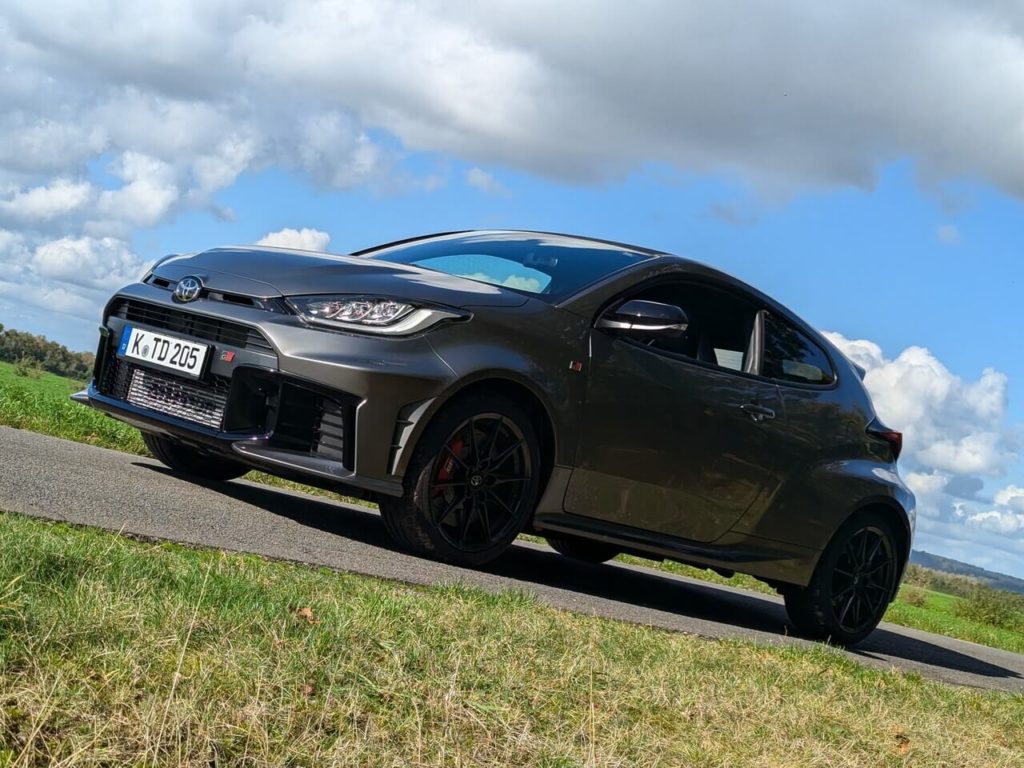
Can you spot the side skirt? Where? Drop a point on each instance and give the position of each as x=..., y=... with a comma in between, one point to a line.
x=771, y=562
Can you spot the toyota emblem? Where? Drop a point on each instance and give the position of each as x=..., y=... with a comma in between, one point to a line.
x=188, y=289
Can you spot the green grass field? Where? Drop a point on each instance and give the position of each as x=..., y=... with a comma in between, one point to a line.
x=42, y=405
x=118, y=652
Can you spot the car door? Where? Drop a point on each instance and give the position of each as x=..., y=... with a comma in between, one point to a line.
x=670, y=443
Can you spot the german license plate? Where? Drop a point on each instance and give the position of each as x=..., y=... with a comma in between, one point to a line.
x=178, y=355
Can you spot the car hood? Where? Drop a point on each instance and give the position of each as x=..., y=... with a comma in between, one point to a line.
x=267, y=272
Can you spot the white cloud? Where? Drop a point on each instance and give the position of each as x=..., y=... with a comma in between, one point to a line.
x=929, y=488
x=955, y=432
x=998, y=521
x=53, y=298
x=948, y=424
x=102, y=263
x=1011, y=496
x=304, y=239
x=149, y=191
x=12, y=248
x=480, y=179
x=219, y=169
x=832, y=96
x=69, y=277
x=333, y=150
x=59, y=198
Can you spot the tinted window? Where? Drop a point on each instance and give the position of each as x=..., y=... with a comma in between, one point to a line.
x=790, y=356
x=719, y=328
x=548, y=266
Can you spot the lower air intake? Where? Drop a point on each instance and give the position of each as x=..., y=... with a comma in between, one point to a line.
x=201, y=404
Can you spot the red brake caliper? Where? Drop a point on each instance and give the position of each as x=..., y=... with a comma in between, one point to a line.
x=448, y=465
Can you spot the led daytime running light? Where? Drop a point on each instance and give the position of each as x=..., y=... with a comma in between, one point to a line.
x=358, y=311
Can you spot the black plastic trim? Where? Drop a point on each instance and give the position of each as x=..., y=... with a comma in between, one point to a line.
x=254, y=450
x=666, y=546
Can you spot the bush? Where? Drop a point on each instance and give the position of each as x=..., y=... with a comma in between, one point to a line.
x=995, y=607
x=912, y=595
x=28, y=368
x=938, y=581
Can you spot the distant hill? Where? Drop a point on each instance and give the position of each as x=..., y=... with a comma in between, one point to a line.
x=26, y=349
x=949, y=565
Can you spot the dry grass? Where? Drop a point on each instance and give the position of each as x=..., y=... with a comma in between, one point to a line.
x=116, y=652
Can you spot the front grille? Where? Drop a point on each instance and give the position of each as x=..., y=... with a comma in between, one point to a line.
x=278, y=305
x=197, y=326
x=200, y=402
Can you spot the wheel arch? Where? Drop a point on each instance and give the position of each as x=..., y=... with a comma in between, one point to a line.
x=892, y=512
x=501, y=384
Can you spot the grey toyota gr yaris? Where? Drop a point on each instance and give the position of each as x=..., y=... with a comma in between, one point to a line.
x=481, y=384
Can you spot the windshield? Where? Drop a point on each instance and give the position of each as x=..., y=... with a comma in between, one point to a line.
x=550, y=267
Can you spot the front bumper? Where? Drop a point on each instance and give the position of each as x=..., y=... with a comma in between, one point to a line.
x=330, y=408
x=268, y=451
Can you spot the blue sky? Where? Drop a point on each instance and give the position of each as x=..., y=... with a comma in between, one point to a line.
x=868, y=172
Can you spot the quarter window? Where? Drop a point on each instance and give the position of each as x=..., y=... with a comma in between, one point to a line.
x=790, y=355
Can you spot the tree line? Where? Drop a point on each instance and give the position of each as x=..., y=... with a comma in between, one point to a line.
x=23, y=348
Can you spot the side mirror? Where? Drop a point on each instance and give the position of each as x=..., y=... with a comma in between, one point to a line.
x=640, y=318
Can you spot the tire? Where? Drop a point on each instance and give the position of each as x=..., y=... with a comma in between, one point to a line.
x=852, y=585
x=472, y=483
x=579, y=548
x=189, y=461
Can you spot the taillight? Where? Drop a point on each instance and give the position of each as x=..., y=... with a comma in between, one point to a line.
x=891, y=436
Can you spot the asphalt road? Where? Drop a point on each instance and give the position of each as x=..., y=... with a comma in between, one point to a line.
x=60, y=480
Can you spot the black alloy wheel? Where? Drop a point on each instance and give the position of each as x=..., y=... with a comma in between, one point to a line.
x=863, y=579
x=475, y=479
x=853, y=584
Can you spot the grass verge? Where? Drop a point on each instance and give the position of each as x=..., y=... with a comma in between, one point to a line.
x=119, y=652
x=42, y=405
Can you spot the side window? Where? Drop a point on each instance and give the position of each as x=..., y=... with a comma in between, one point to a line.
x=720, y=327
x=790, y=356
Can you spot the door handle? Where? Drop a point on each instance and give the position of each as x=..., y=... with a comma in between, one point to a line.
x=757, y=412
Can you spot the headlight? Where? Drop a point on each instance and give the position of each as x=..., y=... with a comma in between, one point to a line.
x=373, y=314
x=364, y=311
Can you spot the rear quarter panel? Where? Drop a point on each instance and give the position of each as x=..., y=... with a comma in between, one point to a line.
x=832, y=468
